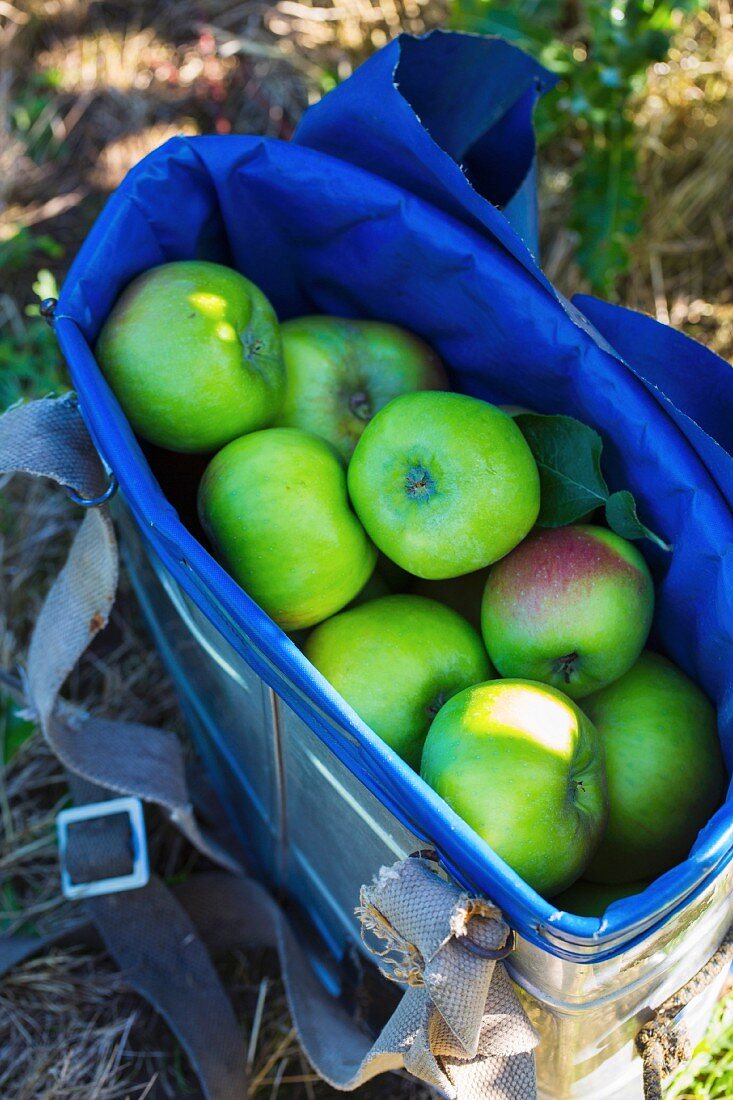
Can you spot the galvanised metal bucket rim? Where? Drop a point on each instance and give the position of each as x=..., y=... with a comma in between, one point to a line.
x=241, y=621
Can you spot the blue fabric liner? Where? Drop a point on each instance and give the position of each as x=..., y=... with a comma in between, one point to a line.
x=695, y=384
x=367, y=214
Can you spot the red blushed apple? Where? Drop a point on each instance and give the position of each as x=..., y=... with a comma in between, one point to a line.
x=571, y=607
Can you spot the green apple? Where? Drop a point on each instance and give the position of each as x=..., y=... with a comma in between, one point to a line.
x=396, y=660
x=444, y=484
x=523, y=765
x=592, y=899
x=274, y=505
x=193, y=353
x=463, y=594
x=340, y=373
x=665, y=769
x=570, y=607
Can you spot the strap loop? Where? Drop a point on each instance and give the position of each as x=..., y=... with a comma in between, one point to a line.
x=99, y=856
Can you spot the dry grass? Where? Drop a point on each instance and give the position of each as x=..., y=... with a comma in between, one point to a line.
x=682, y=270
x=687, y=120
x=102, y=83
x=116, y=80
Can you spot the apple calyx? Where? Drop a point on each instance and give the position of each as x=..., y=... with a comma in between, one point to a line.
x=566, y=666
x=435, y=704
x=252, y=345
x=419, y=483
x=360, y=405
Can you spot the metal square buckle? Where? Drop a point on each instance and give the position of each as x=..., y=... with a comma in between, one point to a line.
x=140, y=874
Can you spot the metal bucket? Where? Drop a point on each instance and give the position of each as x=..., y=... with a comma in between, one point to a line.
x=315, y=833
x=365, y=215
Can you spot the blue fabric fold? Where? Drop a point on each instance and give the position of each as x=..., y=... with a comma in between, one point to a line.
x=452, y=122
x=694, y=384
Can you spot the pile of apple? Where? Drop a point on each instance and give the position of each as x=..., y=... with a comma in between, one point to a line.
x=338, y=449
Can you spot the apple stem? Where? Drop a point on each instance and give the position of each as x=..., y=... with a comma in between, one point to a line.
x=566, y=665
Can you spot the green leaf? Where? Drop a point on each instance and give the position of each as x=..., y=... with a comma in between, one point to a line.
x=45, y=285
x=568, y=456
x=622, y=518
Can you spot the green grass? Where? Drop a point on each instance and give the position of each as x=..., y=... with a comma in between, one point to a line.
x=601, y=53
x=30, y=361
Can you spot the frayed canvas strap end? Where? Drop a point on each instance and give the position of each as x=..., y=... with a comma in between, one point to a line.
x=460, y=1026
